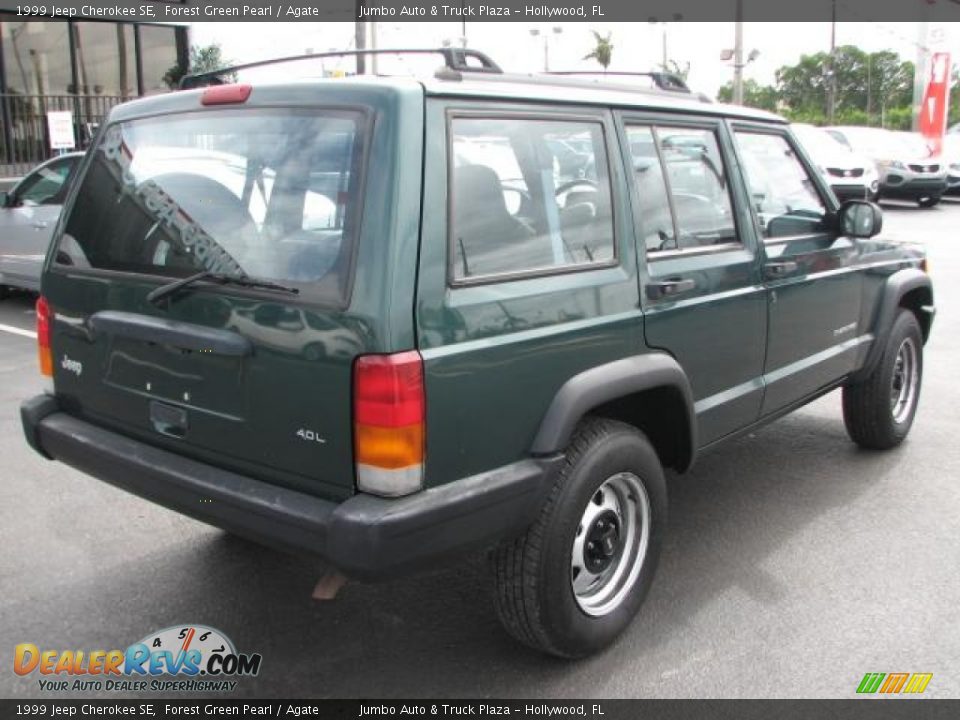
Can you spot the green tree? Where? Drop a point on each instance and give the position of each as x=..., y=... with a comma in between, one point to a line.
x=202, y=59
x=763, y=97
x=868, y=83
x=602, y=51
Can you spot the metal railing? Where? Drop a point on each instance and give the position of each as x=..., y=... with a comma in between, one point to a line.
x=24, y=136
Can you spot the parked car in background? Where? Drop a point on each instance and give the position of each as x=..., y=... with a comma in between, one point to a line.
x=28, y=214
x=907, y=171
x=951, y=159
x=850, y=174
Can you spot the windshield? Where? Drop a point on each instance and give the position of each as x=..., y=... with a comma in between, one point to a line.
x=820, y=143
x=266, y=194
x=887, y=145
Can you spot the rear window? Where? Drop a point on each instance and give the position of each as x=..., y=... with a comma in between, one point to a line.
x=267, y=194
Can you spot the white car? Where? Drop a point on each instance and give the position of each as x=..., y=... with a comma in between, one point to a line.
x=28, y=214
x=907, y=171
x=851, y=175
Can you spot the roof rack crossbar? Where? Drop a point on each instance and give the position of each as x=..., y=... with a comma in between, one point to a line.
x=456, y=59
x=663, y=80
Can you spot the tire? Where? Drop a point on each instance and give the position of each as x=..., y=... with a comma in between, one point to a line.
x=928, y=201
x=534, y=574
x=875, y=417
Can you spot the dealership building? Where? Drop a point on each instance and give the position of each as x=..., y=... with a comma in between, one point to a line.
x=81, y=66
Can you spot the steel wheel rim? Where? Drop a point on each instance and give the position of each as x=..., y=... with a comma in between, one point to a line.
x=906, y=378
x=622, y=499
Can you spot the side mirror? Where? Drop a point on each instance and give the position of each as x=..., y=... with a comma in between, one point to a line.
x=860, y=219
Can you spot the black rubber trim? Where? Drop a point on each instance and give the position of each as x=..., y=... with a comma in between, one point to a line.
x=32, y=412
x=604, y=383
x=897, y=285
x=169, y=332
x=366, y=537
x=372, y=538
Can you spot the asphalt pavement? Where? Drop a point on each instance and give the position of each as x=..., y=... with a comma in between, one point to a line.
x=794, y=564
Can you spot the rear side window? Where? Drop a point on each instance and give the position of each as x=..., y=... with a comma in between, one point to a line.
x=655, y=216
x=528, y=195
x=682, y=188
x=698, y=186
x=269, y=194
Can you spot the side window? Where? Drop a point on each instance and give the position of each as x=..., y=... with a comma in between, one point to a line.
x=528, y=195
x=656, y=220
x=698, y=186
x=782, y=193
x=43, y=186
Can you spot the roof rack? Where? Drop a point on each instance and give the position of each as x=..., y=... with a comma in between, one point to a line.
x=587, y=81
x=456, y=60
x=663, y=80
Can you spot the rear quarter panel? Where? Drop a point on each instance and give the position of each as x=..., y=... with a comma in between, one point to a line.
x=495, y=354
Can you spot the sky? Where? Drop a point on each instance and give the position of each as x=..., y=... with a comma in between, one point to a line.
x=637, y=46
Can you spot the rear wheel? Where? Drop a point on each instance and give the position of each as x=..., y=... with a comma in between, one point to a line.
x=576, y=578
x=929, y=201
x=878, y=412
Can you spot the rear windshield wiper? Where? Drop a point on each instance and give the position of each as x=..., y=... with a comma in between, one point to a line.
x=164, y=291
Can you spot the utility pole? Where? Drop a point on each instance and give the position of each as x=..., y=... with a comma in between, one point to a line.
x=360, y=40
x=665, y=54
x=738, y=56
x=374, y=65
x=831, y=70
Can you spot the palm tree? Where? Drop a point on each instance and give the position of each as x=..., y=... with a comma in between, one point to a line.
x=603, y=50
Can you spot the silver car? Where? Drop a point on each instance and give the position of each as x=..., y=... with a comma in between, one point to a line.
x=907, y=170
x=28, y=214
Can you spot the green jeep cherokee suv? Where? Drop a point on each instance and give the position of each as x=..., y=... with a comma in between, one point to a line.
x=393, y=321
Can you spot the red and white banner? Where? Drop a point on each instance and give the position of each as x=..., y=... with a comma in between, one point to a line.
x=936, y=94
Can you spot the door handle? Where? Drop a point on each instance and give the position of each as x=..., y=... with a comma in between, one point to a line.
x=670, y=287
x=779, y=269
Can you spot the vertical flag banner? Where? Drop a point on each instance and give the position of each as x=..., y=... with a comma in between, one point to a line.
x=936, y=94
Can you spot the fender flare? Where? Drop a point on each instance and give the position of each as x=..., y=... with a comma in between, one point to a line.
x=598, y=385
x=896, y=286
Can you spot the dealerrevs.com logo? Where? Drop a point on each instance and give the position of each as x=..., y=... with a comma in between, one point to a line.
x=183, y=658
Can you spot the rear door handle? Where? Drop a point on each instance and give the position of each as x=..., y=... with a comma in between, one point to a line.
x=779, y=269
x=670, y=287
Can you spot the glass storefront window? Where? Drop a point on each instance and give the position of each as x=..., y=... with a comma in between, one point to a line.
x=106, y=59
x=36, y=55
x=158, y=49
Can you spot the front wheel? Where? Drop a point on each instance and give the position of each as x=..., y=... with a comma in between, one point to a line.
x=879, y=410
x=572, y=583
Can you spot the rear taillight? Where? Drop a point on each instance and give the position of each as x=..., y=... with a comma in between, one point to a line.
x=44, y=324
x=389, y=412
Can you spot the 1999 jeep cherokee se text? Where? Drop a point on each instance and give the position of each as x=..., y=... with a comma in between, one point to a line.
x=390, y=322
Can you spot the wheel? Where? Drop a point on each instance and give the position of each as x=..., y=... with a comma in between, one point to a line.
x=928, y=201
x=879, y=410
x=575, y=579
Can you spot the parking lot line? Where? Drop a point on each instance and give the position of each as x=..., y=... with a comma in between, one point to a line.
x=18, y=331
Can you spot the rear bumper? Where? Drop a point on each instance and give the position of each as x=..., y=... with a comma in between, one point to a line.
x=365, y=537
